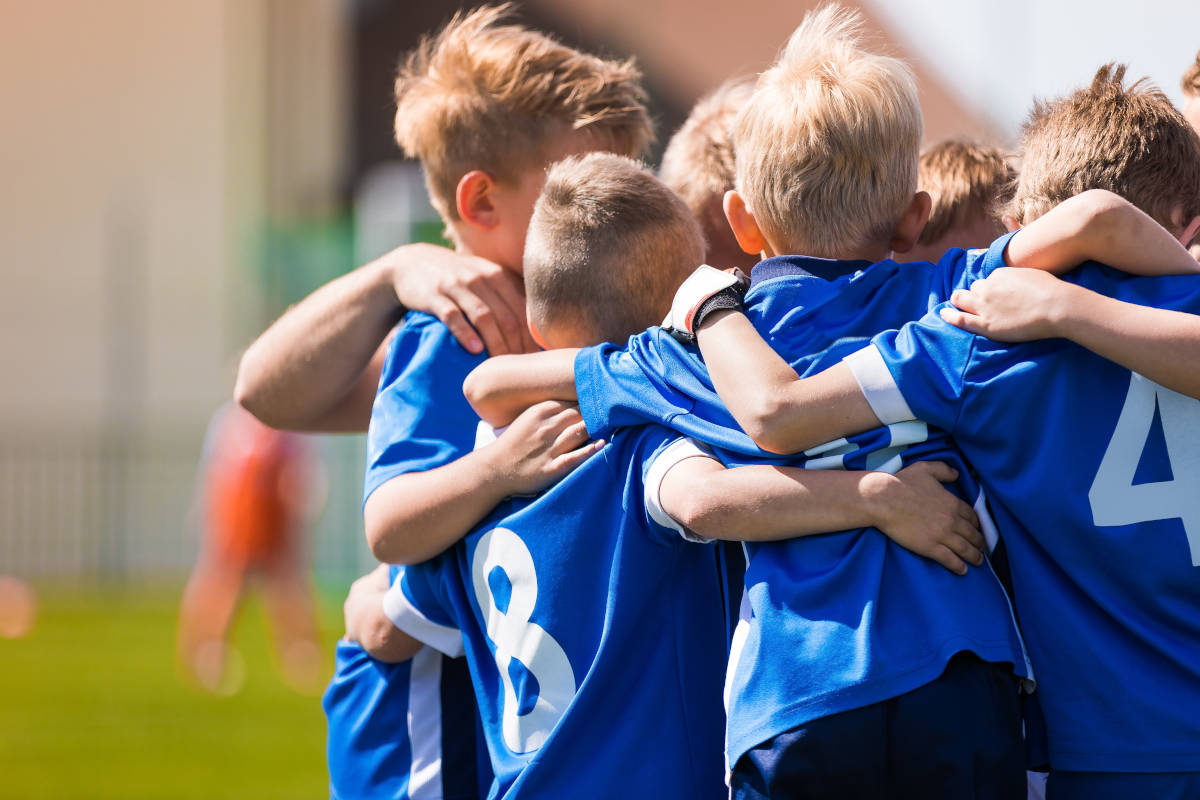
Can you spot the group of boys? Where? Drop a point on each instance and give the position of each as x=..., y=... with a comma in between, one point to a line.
x=573, y=620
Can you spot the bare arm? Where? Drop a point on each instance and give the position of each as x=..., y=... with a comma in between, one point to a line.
x=780, y=411
x=762, y=503
x=413, y=517
x=318, y=366
x=1020, y=305
x=502, y=387
x=369, y=626
x=1098, y=225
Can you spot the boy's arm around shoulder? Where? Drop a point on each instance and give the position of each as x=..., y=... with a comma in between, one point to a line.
x=317, y=366
x=1098, y=225
x=416, y=515
x=780, y=411
x=502, y=387
x=766, y=503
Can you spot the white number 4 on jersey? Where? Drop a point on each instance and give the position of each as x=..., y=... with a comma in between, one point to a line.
x=1114, y=498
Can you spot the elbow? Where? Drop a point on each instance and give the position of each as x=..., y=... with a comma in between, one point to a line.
x=249, y=392
x=762, y=425
x=389, y=545
x=475, y=388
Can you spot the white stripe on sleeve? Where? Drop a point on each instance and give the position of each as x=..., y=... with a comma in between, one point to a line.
x=405, y=616
x=677, y=451
x=878, y=385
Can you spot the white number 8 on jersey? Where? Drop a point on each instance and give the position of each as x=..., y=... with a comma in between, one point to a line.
x=516, y=636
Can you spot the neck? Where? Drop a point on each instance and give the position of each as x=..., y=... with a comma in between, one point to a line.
x=873, y=253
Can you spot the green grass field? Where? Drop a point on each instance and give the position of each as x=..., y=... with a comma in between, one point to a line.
x=92, y=706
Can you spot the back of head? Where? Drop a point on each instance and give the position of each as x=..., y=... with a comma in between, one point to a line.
x=967, y=183
x=491, y=96
x=607, y=246
x=698, y=166
x=698, y=162
x=1128, y=140
x=827, y=145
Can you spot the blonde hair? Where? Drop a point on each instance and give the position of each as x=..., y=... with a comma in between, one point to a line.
x=967, y=182
x=607, y=246
x=1191, y=79
x=698, y=162
x=1128, y=140
x=491, y=96
x=827, y=145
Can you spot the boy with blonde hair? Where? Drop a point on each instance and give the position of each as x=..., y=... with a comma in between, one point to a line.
x=967, y=184
x=698, y=166
x=1095, y=492
x=485, y=106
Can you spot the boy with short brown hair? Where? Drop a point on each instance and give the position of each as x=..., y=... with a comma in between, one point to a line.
x=1125, y=139
x=967, y=183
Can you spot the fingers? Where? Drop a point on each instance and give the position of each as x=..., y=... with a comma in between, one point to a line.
x=957, y=540
x=512, y=292
x=569, y=461
x=484, y=316
x=571, y=437
x=966, y=300
x=949, y=559
x=939, y=471
x=960, y=319
x=453, y=318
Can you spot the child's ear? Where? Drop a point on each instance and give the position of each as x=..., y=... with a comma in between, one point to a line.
x=474, y=201
x=743, y=224
x=911, y=223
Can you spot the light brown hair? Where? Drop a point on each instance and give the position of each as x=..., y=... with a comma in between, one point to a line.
x=827, y=145
x=968, y=182
x=1128, y=140
x=490, y=96
x=607, y=246
x=1191, y=79
x=698, y=162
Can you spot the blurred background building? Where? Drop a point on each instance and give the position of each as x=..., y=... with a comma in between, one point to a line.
x=177, y=173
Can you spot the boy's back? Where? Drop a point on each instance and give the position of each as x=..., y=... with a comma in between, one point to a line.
x=597, y=636
x=1091, y=471
x=844, y=620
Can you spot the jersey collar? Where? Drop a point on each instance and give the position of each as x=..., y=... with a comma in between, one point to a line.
x=807, y=266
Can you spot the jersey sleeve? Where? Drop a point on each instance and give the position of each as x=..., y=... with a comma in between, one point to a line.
x=656, y=469
x=420, y=418
x=416, y=605
x=622, y=387
x=654, y=380
x=916, y=372
x=962, y=268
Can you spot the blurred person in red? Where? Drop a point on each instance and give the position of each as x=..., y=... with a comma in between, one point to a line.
x=258, y=490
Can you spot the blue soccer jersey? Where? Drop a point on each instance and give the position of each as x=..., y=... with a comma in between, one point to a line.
x=420, y=419
x=596, y=636
x=1092, y=472
x=402, y=731
x=848, y=619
